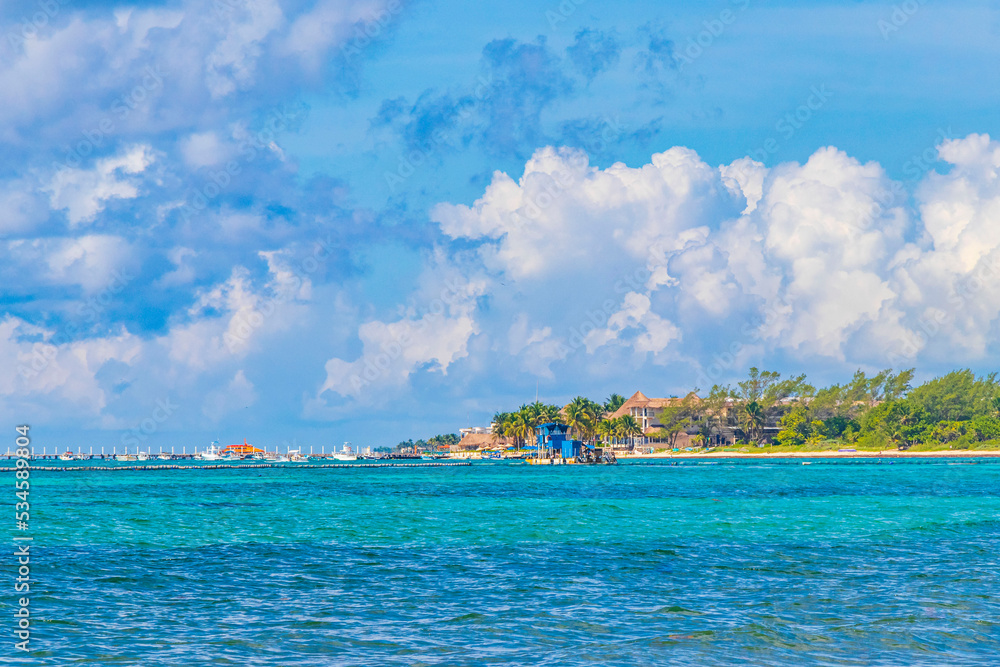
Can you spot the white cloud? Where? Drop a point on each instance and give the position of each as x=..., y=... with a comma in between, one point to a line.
x=204, y=149
x=83, y=192
x=824, y=258
x=233, y=62
x=46, y=367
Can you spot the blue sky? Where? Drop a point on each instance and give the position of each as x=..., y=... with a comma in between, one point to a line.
x=314, y=222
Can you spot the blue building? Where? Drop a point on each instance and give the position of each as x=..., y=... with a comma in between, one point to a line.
x=552, y=439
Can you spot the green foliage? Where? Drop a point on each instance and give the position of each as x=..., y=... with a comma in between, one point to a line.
x=895, y=423
x=957, y=396
x=837, y=426
x=881, y=411
x=986, y=427
x=614, y=402
x=795, y=427
x=759, y=396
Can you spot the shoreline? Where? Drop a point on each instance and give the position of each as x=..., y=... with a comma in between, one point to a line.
x=947, y=453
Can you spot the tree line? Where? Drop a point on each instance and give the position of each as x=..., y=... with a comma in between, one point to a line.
x=883, y=410
x=435, y=443
x=588, y=420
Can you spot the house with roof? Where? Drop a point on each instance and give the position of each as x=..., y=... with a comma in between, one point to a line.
x=647, y=412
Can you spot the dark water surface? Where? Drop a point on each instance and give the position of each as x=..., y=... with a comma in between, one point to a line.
x=744, y=562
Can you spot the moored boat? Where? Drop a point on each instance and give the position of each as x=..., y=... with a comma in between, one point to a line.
x=346, y=453
x=210, y=454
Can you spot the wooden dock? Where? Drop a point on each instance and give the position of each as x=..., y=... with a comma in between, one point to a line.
x=233, y=466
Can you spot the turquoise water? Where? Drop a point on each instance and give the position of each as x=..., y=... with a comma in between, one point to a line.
x=762, y=563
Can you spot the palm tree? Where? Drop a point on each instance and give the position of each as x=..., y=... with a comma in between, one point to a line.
x=550, y=414
x=606, y=429
x=579, y=416
x=522, y=426
x=501, y=426
x=629, y=427
x=753, y=420
x=614, y=402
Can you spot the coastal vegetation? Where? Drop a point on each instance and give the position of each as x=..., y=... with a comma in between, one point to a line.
x=588, y=420
x=432, y=444
x=882, y=411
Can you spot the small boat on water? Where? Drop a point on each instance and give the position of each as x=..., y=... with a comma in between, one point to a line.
x=142, y=456
x=125, y=457
x=210, y=454
x=67, y=456
x=346, y=453
x=164, y=456
x=296, y=456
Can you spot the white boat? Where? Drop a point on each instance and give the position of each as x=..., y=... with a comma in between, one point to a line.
x=125, y=457
x=68, y=456
x=210, y=454
x=295, y=456
x=164, y=456
x=142, y=456
x=345, y=454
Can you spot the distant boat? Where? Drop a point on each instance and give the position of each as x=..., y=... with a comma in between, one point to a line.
x=125, y=457
x=164, y=456
x=210, y=454
x=345, y=454
x=68, y=456
x=142, y=456
x=295, y=456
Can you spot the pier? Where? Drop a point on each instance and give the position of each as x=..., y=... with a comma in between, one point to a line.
x=225, y=466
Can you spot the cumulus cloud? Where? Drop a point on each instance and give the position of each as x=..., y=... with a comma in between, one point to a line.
x=823, y=259
x=83, y=193
x=431, y=334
